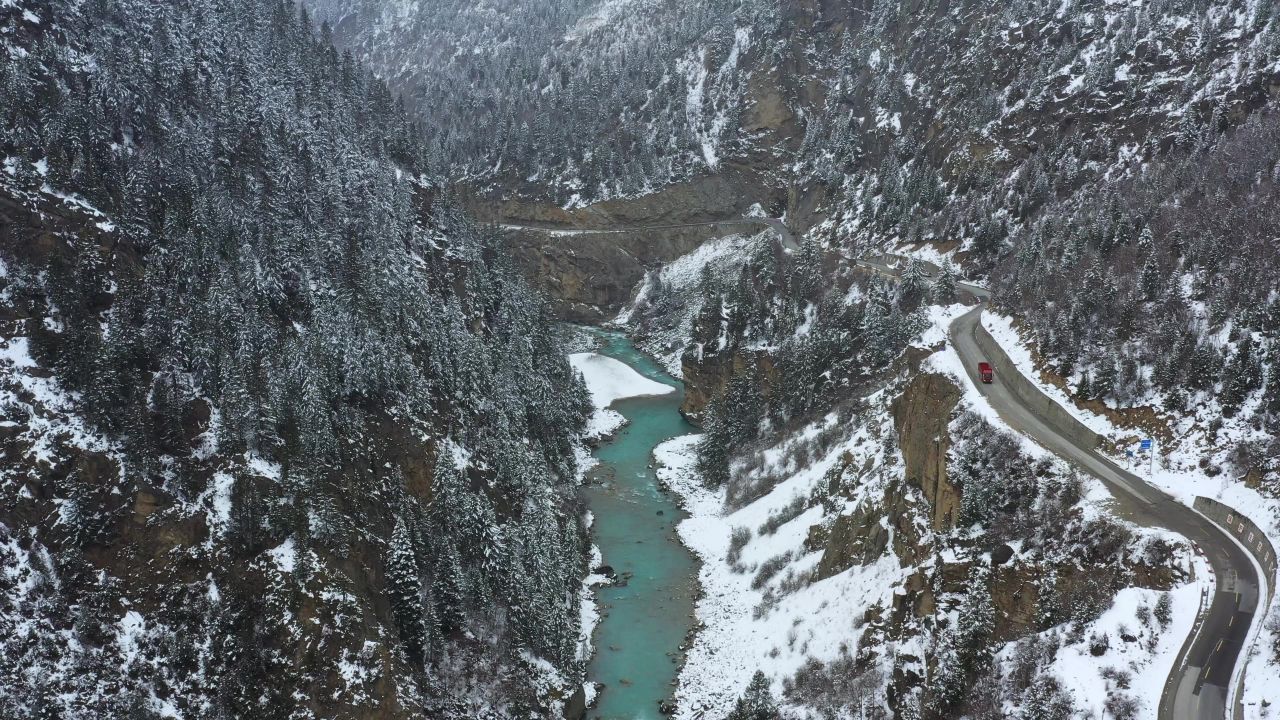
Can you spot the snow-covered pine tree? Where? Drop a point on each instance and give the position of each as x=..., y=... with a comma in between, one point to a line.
x=943, y=291
x=914, y=285
x=404, y=591
x=714, y=447
x=757, y=701
x=449, y=590
x=1046, y=700
x=1243, y=375
x=963, y=651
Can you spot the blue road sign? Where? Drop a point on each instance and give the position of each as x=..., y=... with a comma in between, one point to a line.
x=1128, y=453
x=1145, y=444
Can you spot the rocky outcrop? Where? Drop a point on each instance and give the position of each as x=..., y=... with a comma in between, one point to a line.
x=866, y=534
x=706, y=376
x=727, y=194
x=905, y=517
x=575, y=708
x=590, y=277
x=921, y=415
x=899, y=521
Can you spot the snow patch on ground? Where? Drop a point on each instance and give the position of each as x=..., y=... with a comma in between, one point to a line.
x=766, y=627
x=939, y=318
x=219, y=503
x=608, y=381
x=589, y=610
x=285, y=556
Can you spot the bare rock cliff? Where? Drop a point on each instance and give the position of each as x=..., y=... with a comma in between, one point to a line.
x=921, y=415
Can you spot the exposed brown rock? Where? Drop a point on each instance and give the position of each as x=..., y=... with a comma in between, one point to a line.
x=1015, y=591
x=921, y=415
x=144, y=505
x=861, y=537
x=707, y=377
x=855, y=539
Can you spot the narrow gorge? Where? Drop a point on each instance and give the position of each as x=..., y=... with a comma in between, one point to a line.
x=646, y=604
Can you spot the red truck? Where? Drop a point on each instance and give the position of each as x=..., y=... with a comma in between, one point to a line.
x=985, y=373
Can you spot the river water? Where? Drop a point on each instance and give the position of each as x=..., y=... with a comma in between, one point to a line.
x=645, y=620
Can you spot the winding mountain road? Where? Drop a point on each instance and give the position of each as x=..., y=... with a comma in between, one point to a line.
x=785, y=236
x=891, y=270
x=1198, y=686
x=1197, y=689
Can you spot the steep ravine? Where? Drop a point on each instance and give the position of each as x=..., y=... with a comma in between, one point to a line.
x=647, y=613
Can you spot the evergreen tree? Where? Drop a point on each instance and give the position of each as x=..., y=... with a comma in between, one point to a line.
x=404, y=591
x=1271, y=395
x=449, y=591
x=1104, y=382
x=914, y=285
x=1049, y=610
x=1151, y=279
x=963, y=651
x=1243, y=375
x=943, y=291
x=757, y=702
x=270, y=278
x=1046, y=700
x=714, y=448
x=1085, y=389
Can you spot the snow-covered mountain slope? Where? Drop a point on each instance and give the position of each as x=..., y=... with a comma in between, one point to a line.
x=1107, y=164
x=589, y=99
x=789, y=358
x=282, y=433
x=904, y=553
x=263, y=386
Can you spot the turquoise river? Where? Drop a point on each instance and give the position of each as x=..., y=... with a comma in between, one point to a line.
x=644, y=618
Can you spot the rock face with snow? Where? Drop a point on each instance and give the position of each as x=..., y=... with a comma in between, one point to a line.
x=921, y=415
x=858, y=479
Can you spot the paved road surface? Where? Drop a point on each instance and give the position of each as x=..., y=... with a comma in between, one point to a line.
x=785, y=235
x=1197, y=688
x=892, y=270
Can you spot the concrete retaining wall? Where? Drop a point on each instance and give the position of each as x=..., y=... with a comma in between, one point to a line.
x=1249, y=535
x=1030, y=395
